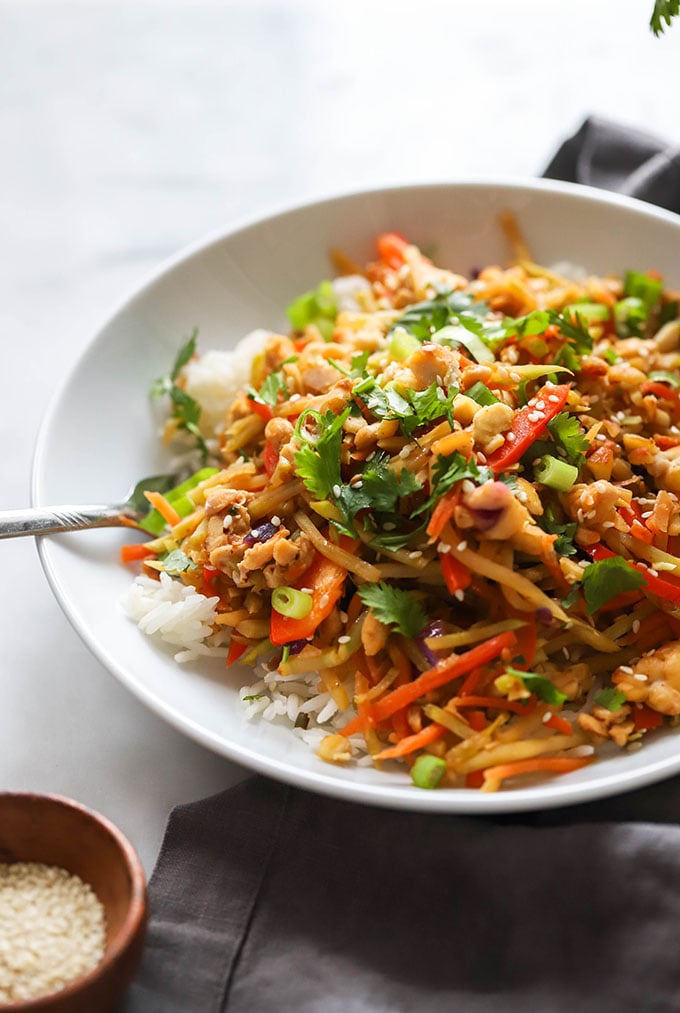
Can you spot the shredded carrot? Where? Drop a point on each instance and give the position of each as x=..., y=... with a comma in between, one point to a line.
x=409, y=744
x=131, y=553
x=475, y=779
x=447, y=670
x=559, y=724
x=165, y=509
x=498, y=702
x=471, y=682
x=554, y=764
x=442, y=513
x=477, y=721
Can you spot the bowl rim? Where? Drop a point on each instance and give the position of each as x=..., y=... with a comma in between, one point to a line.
x=521, y=799
x=136, y=913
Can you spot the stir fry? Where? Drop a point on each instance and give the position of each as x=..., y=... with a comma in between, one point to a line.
x=451, y=504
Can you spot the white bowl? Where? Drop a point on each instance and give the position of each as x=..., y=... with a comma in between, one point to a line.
x=99, y=436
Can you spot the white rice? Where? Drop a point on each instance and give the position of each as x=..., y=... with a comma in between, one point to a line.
x=177, y=614
x=216, y=377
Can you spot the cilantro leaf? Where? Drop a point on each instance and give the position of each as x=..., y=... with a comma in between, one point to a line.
x=394, y=607
x=186, y=411
x=177, y=562
x=663, y=13
x=604, y=580
x=612, y=699
x=566, y=431
x=274, y=385
x=564, y=543
x=317, y=462
x=540, y=685
x=424, y=319
x=379, y=490
x=398, y=539
x=428, y=405
x=446, y=472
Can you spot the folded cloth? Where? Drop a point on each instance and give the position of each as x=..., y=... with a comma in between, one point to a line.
x=267, y=898
x=613, y=157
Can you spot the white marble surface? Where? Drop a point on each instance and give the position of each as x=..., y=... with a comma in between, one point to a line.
x=130, y=129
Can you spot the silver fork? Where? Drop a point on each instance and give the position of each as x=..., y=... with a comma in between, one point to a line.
x=45, y=520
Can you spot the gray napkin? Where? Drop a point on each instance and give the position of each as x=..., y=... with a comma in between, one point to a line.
x=267, y=898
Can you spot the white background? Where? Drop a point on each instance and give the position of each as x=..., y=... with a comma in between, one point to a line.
x=130, y=129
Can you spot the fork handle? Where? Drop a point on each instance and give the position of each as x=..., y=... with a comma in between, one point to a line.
x=44, y=520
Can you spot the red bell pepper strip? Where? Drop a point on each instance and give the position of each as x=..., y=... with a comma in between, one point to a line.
x=208, y=587
x=632, y=515
x=644, y=718
x=326, y=581
x=391, y=247
x=263, y=410
x=667, y=587
x=448, y=669
x=270, y=458
x=456, y=575
x=236, y=649
x=526, y=428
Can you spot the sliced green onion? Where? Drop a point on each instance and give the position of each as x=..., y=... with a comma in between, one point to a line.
x=154, y=523
x=428, y=771
x=532, y=372
x=292, y=603
x=480, y=393
x=316, y=307
x=403, y=344
x=630, y=316
x=462, y=336
x=588, y=312
x=641, y=286
x=665, y=376
x=555, y=474
x=536, y=346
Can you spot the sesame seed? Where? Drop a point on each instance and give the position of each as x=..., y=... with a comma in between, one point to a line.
x=549, y=384
x=516, y=377
x=653, y=572
x=532, y=402
x=481, y=458
x=585, y=750
x=540, y=405
x=565, y=652
x=307, y=590
x=404, y=452
x=535, y=416
x=510, y=437
x=416, y=554
x=443, y=548
x=276, y=521
x=636, y=626
x=227, y=522
x=522, y=496
x=462, y=546
x=343, y=617
x=554, y=398
x=336, y=491
x=344, y=640
x=647, y=513
x=389, y=526
x=294, y=397
x=640, y=676
x=459, y=595
x=546, y=717
x=626, y=668
x=600, y=436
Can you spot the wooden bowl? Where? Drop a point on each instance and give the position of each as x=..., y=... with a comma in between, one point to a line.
x=58, y=831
